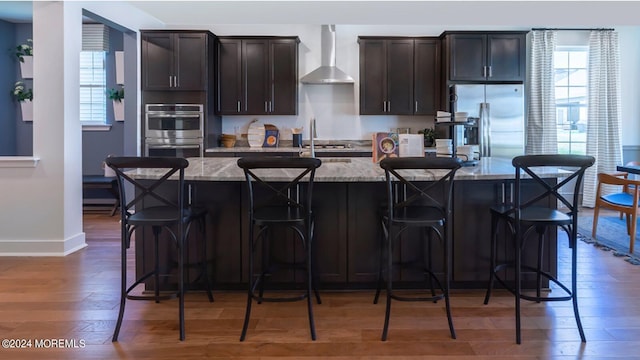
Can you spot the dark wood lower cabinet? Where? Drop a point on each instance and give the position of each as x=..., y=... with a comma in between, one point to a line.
x=347, y=236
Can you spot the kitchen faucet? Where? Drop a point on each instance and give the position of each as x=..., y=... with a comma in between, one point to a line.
x=312, y=135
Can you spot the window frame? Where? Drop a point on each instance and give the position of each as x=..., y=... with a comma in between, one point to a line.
x=98, y=101
x=567, y=111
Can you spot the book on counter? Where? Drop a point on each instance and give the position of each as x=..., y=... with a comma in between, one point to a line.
x=384, y=145
x=410, y=145
x=271, y=136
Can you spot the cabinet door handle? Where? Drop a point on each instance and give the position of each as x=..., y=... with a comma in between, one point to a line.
x=266, y=107
x=271, y=106
x=384, y=106
x=416, y=107
x=238, y=105
x=170, y=81
x=175, y=81
x=484, y=71
x=490, y=72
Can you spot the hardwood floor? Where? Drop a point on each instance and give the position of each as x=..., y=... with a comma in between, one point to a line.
x=75, y=298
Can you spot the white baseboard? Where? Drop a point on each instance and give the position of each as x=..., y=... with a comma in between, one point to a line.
x=43, y=247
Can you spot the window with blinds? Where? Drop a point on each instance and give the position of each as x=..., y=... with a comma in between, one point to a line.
x=93, y=87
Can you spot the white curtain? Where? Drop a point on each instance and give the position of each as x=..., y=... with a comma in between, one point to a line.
x=542, y=133
x=603, y=114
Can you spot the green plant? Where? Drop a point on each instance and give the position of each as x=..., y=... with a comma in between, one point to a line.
x=115, y=94
x=429, y=134
x=21, y=93
x=23, y=50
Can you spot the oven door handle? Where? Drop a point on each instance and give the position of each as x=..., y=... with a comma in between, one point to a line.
x=173, y=115
x=169, y=146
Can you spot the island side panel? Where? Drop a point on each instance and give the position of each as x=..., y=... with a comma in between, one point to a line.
x=472, y=232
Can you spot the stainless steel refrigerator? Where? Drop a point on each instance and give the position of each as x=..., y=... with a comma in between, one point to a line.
x=499, y=110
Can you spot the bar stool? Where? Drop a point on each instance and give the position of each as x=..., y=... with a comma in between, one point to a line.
x=526, y=216
x=160, y=205
x=285, y=203
x=427, y=207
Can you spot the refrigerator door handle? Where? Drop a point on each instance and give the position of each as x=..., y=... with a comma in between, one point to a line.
x=485, y=129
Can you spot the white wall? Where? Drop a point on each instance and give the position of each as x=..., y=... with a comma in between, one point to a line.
x=629, y=39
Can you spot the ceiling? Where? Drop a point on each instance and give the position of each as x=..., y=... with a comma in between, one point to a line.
x=451, y=13
x=16, y=11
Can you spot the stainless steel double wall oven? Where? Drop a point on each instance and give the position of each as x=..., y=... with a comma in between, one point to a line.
x=174, y=130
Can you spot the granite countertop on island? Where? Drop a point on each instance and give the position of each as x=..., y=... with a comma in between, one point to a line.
x=353, y=169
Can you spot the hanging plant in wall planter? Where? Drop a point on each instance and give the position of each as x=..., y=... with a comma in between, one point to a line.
x=25, y=97
x=117, y=97
x=24, y=53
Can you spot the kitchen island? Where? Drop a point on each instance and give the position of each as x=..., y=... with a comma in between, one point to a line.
x=347, y=196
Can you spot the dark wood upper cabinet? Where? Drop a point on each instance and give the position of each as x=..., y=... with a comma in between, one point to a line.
x=398, y=76
x=257, y=76
x=485, y=57
x=427, y=72
x=175, y=60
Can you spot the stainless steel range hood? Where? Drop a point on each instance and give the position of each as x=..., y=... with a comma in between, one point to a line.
x=327, y=73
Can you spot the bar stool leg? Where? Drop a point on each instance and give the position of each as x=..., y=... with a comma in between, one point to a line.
x=247, y=313
x=180, y=242
x=312, y=326
x=381, y=246
x=574, y=280
x=387, y=313
x=123, y=286
x=518, y=285
x=447, y=281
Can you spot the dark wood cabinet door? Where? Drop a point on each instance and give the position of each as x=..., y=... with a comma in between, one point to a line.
x=255, y=68
x=506, y=57
x=399, y=76
x=283, y=86
x=229, y=74
x=468, y=55
x=364, y=230
x=257, y=76
x=157, y=61
x=174, y=61
x=190, y=64
x=426, y=76
x=373, y=76
x=330, y=240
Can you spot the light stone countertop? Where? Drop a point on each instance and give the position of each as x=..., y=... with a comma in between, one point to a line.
x=356, y=169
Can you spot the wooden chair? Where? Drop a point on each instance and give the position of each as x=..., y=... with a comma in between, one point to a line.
x=625, y=201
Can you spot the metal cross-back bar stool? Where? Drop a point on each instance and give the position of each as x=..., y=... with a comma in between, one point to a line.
x=526, y=216
x=286, y=203
x=427, y=207
x=158, y=203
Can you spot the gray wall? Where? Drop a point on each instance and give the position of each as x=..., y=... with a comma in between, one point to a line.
x=96, y=145
x=7, y=79
x=16, y=136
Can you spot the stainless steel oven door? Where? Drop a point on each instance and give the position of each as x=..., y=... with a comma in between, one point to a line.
x=184, y=150
x=174, y=121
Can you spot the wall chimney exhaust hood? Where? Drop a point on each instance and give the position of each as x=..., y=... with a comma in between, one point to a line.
x=327, y=73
